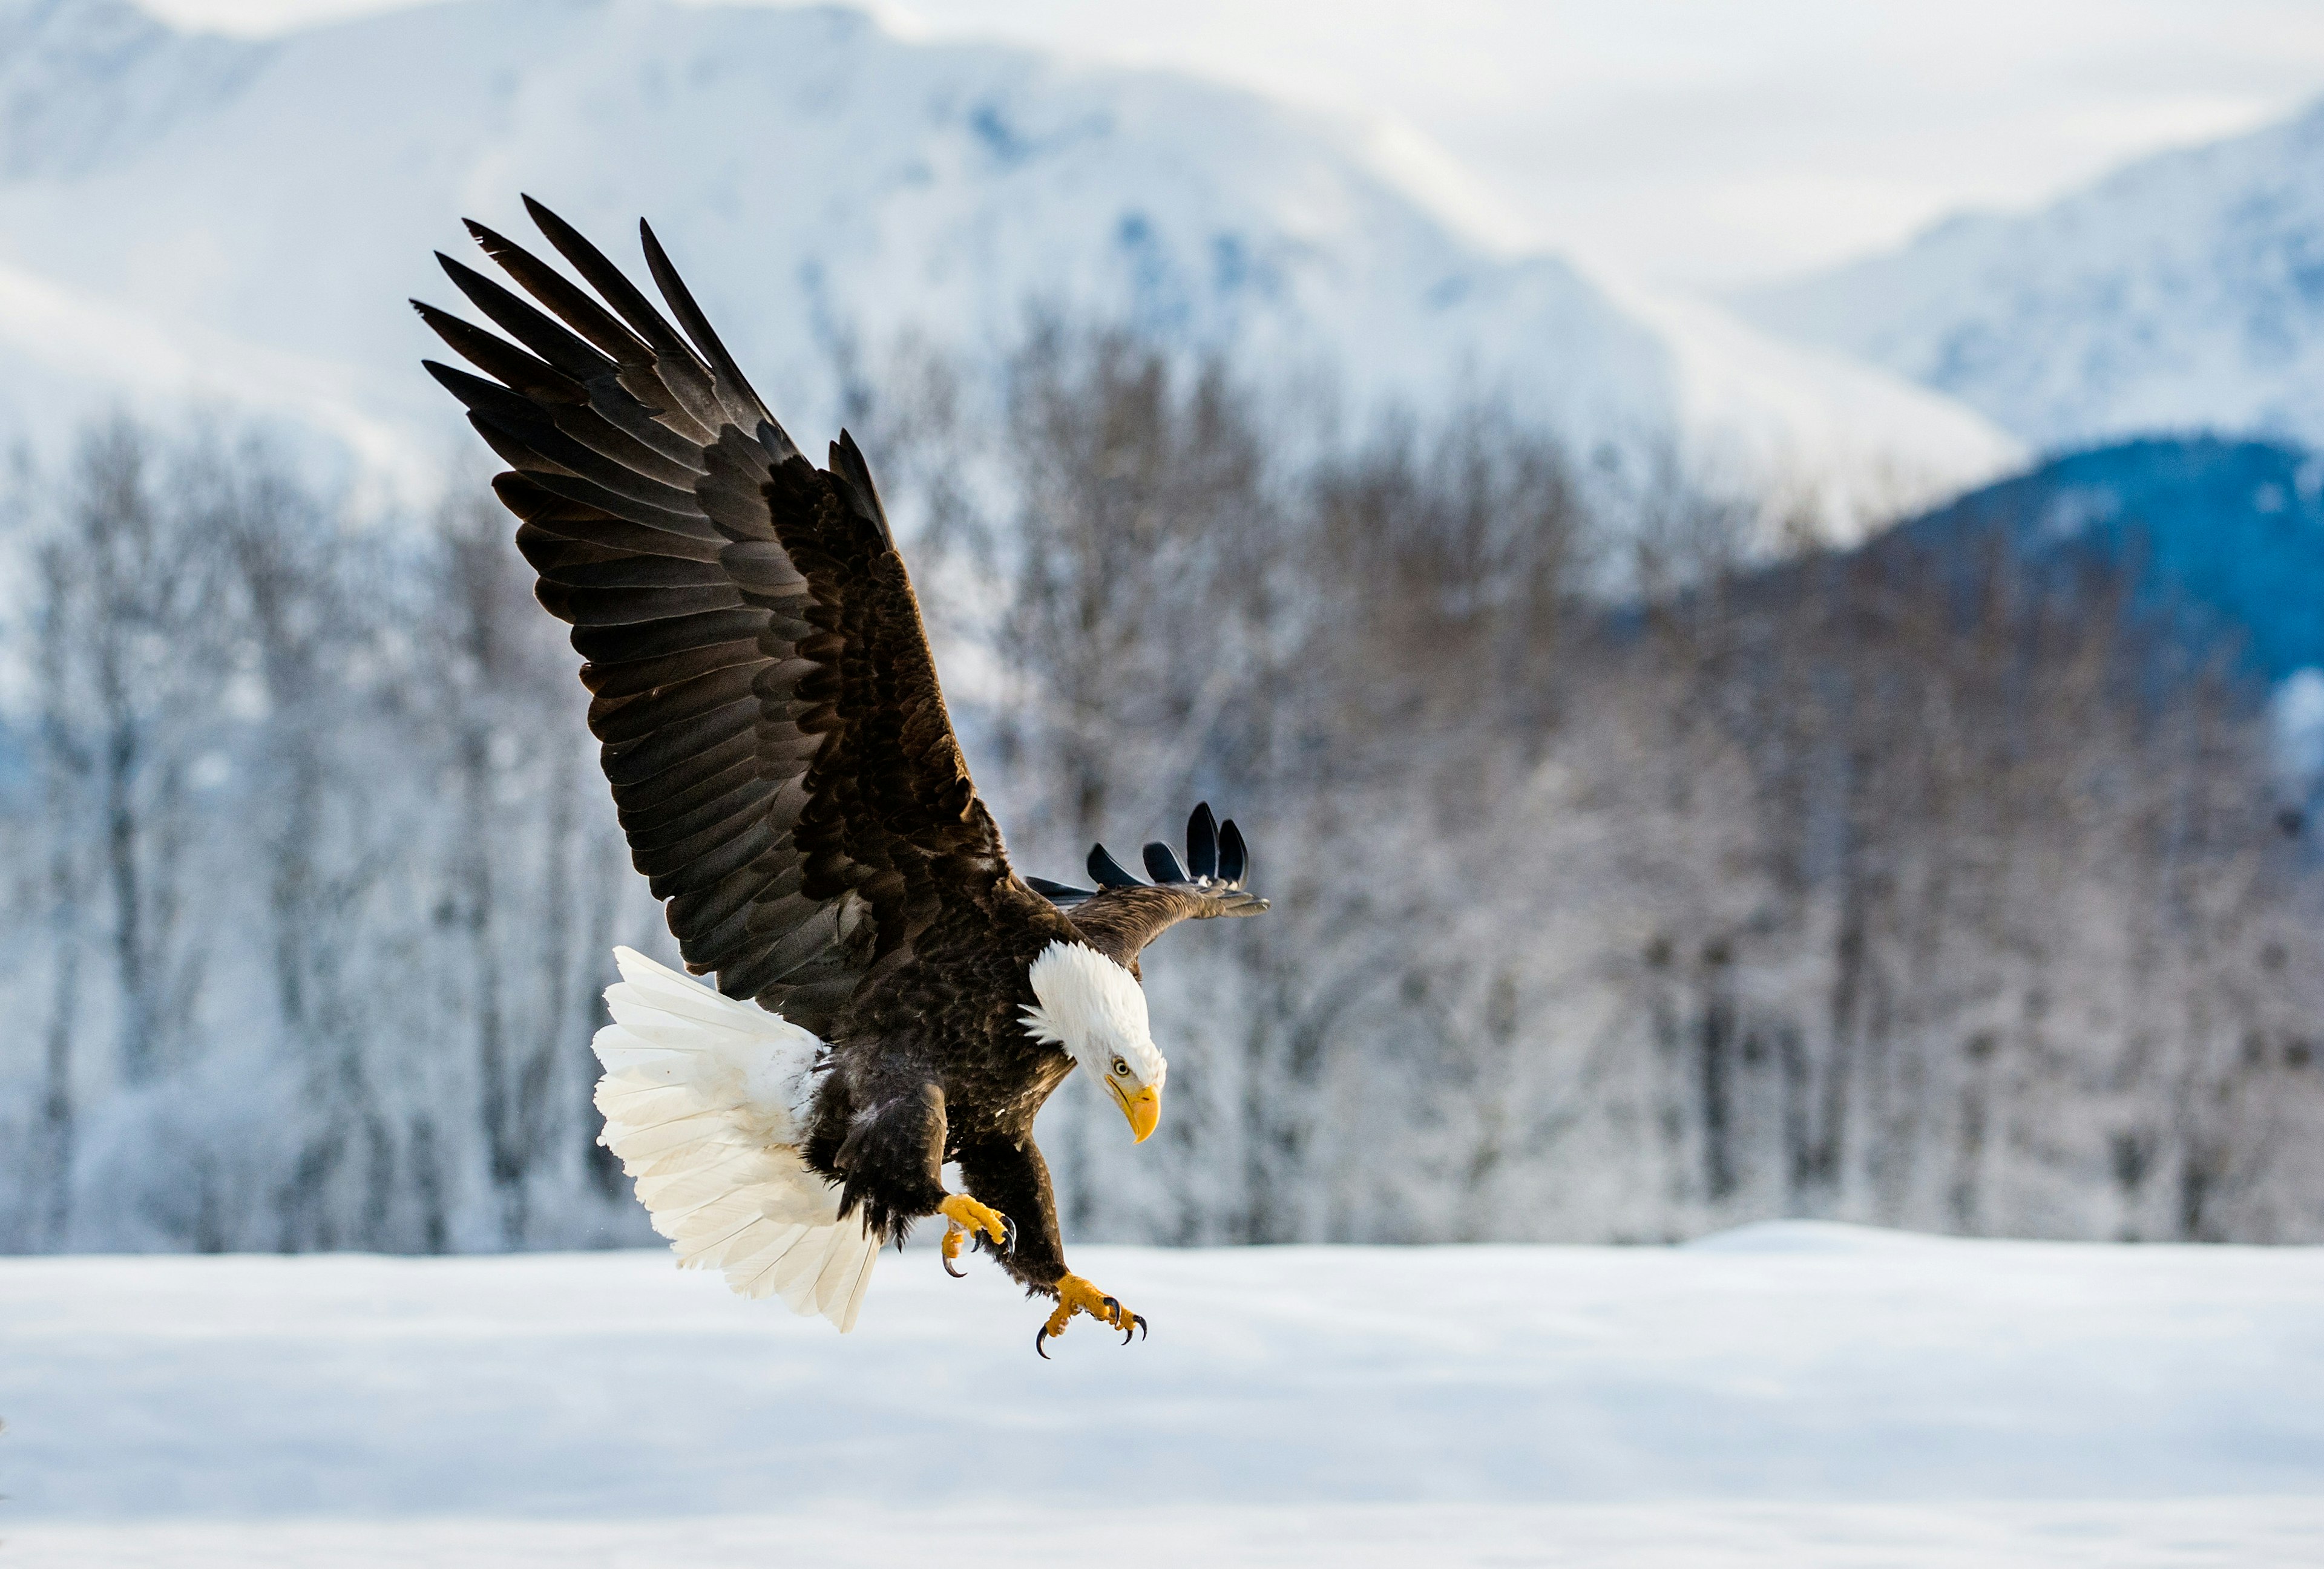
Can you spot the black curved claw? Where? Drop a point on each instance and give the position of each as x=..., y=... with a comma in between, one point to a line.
x=1202, y=842
x=1140, y=1320
x=955, y=1274
x=1115, y=1316
x=983, y=1240
x=1040, y=1336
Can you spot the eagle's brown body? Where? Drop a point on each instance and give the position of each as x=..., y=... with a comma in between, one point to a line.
x=777, y=740
x=938, y=1057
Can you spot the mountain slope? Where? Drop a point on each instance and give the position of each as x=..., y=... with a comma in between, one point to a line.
x=82, y=81
x=2184, y=293
x=2225, y=537
x=822, y=182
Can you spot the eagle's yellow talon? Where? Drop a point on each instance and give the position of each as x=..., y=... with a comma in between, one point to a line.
x=954, y=1238
x=971, y=1216
x=1075, y=1295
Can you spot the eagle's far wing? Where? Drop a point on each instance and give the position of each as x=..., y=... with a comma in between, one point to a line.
x=776, y=739
x=1121, y=915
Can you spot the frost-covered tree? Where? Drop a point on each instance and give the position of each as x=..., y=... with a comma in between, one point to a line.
x=1628, y=882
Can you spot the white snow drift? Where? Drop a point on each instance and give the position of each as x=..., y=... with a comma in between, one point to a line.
x=1788, y=1394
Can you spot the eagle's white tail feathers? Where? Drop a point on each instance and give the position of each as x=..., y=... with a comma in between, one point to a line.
x=706, y=1100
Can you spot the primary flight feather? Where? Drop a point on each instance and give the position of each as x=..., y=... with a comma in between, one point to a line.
x=890, y=995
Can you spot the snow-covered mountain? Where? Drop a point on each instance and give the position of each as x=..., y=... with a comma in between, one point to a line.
x=2184, y=293
x=243, y=219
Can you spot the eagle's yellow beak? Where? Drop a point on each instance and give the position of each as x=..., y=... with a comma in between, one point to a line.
x=1143, y=1108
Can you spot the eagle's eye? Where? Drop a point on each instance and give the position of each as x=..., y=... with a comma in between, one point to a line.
x=1120, y=1068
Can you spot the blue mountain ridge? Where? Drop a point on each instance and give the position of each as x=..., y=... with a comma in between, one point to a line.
x=2222, y=538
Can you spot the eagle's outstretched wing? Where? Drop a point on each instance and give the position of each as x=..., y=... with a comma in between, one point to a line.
x=774, y=732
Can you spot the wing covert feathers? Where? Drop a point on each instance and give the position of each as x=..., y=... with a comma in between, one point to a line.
x=706, y=1100
x=774, y=732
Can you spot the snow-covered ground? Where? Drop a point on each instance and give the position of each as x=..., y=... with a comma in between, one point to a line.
x=1785, y=1395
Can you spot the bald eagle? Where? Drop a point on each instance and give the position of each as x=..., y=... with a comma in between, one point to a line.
x=890, y=995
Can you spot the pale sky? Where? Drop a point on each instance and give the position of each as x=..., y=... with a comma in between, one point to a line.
x=1702, y=142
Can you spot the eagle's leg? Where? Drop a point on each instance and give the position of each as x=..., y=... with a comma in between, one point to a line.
x=890, y=1164
x=1012, y=1174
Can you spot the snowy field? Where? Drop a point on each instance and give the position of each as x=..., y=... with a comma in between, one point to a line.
x=1785, y=1395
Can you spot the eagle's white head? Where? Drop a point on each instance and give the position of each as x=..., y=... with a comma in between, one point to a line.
x=1096, y=1011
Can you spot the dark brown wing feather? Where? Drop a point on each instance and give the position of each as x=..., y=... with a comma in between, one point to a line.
x=774, y=732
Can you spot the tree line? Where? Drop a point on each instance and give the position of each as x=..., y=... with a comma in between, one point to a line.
x=1629, y=881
